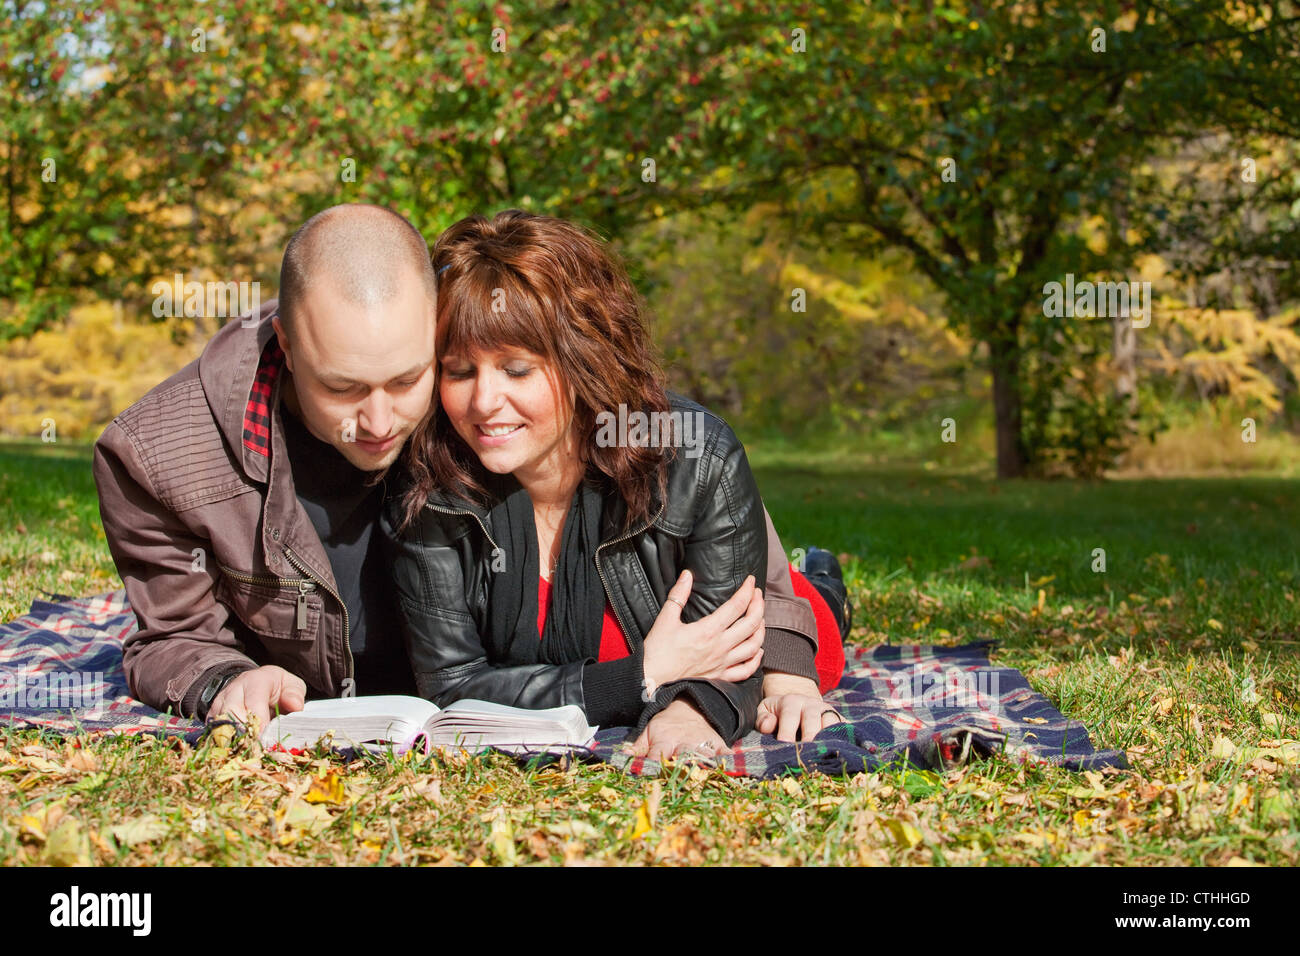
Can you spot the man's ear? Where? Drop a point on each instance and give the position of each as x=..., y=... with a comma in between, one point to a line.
x=283, y=336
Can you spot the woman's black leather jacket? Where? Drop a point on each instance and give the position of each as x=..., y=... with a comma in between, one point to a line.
x=711, y=521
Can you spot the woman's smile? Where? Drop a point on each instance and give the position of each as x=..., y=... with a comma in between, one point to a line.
x=496, y=435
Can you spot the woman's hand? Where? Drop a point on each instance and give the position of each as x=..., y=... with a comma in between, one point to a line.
x=678, y=728
x=725, y=645
x=793, y=708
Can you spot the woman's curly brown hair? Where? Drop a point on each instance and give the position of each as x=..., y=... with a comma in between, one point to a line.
x=552, y=288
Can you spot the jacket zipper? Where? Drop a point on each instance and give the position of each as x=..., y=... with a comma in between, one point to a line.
x=304, y=585
x=302, y=610
x=452, y=511
x=263, y=579
x=601, y=571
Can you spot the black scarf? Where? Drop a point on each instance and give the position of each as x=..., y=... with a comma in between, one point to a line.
x=576, y=614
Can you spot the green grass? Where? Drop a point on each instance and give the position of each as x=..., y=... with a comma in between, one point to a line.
x=1182, y=652
x=51, y=539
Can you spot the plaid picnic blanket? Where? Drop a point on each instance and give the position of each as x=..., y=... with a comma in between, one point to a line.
x=61, y=670
x=935, y=707
x=931, y=707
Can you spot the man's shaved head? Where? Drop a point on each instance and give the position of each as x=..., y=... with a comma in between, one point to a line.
x=356, y=320
x=363, y=252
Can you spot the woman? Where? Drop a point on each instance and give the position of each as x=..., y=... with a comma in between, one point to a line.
x=544, y=556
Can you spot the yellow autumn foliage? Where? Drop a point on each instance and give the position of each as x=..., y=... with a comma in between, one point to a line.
x=82, y=373
x=1223, y=351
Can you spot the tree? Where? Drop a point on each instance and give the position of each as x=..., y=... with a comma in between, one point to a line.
x=973, y=136
x=979, y=138
x=143, y=140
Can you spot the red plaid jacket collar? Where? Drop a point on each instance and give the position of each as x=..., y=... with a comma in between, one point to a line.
x=257, y=414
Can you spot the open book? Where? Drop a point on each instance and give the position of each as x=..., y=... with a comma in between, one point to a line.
x=402, y=723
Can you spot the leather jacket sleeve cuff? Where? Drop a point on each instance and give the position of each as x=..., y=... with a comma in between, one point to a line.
x=190, y=702
x=788, y=653
x=611, y=692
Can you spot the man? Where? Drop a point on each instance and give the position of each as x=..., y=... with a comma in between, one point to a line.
x=239, y=497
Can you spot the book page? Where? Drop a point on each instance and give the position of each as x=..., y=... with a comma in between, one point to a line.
x=412, y=709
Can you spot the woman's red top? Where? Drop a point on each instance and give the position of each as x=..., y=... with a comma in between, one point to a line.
x=613, y=645
x=830, y=649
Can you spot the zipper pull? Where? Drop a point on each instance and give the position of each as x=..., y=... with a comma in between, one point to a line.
x=304, y=587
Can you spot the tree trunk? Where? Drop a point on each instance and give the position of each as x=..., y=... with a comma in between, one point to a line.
x=1004, y=356
x=1125, y=357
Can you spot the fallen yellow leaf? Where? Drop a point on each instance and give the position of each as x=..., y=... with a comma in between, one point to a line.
x=1222, y=748
x=327, y=788
x=574, y=829
x=904, y=834
x=32, y=826
x=140, y=830
x=303, y=817
x=67, y=845
x=1036, y=840
x=643, y=823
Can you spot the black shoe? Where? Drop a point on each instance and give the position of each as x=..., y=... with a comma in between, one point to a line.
x=823, y=571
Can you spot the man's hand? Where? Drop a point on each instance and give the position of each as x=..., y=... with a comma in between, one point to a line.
x=257, y=693
x=679, y=727
x=724, y=645
x=793, y=708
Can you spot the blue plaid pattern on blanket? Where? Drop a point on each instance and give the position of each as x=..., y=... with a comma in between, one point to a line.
x=933, y=707
x=61, y=670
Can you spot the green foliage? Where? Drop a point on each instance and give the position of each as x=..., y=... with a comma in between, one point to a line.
x=135, y=147
x=978, y=139
x=793, y=336
x=1073, y=419
x=1042, y=127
